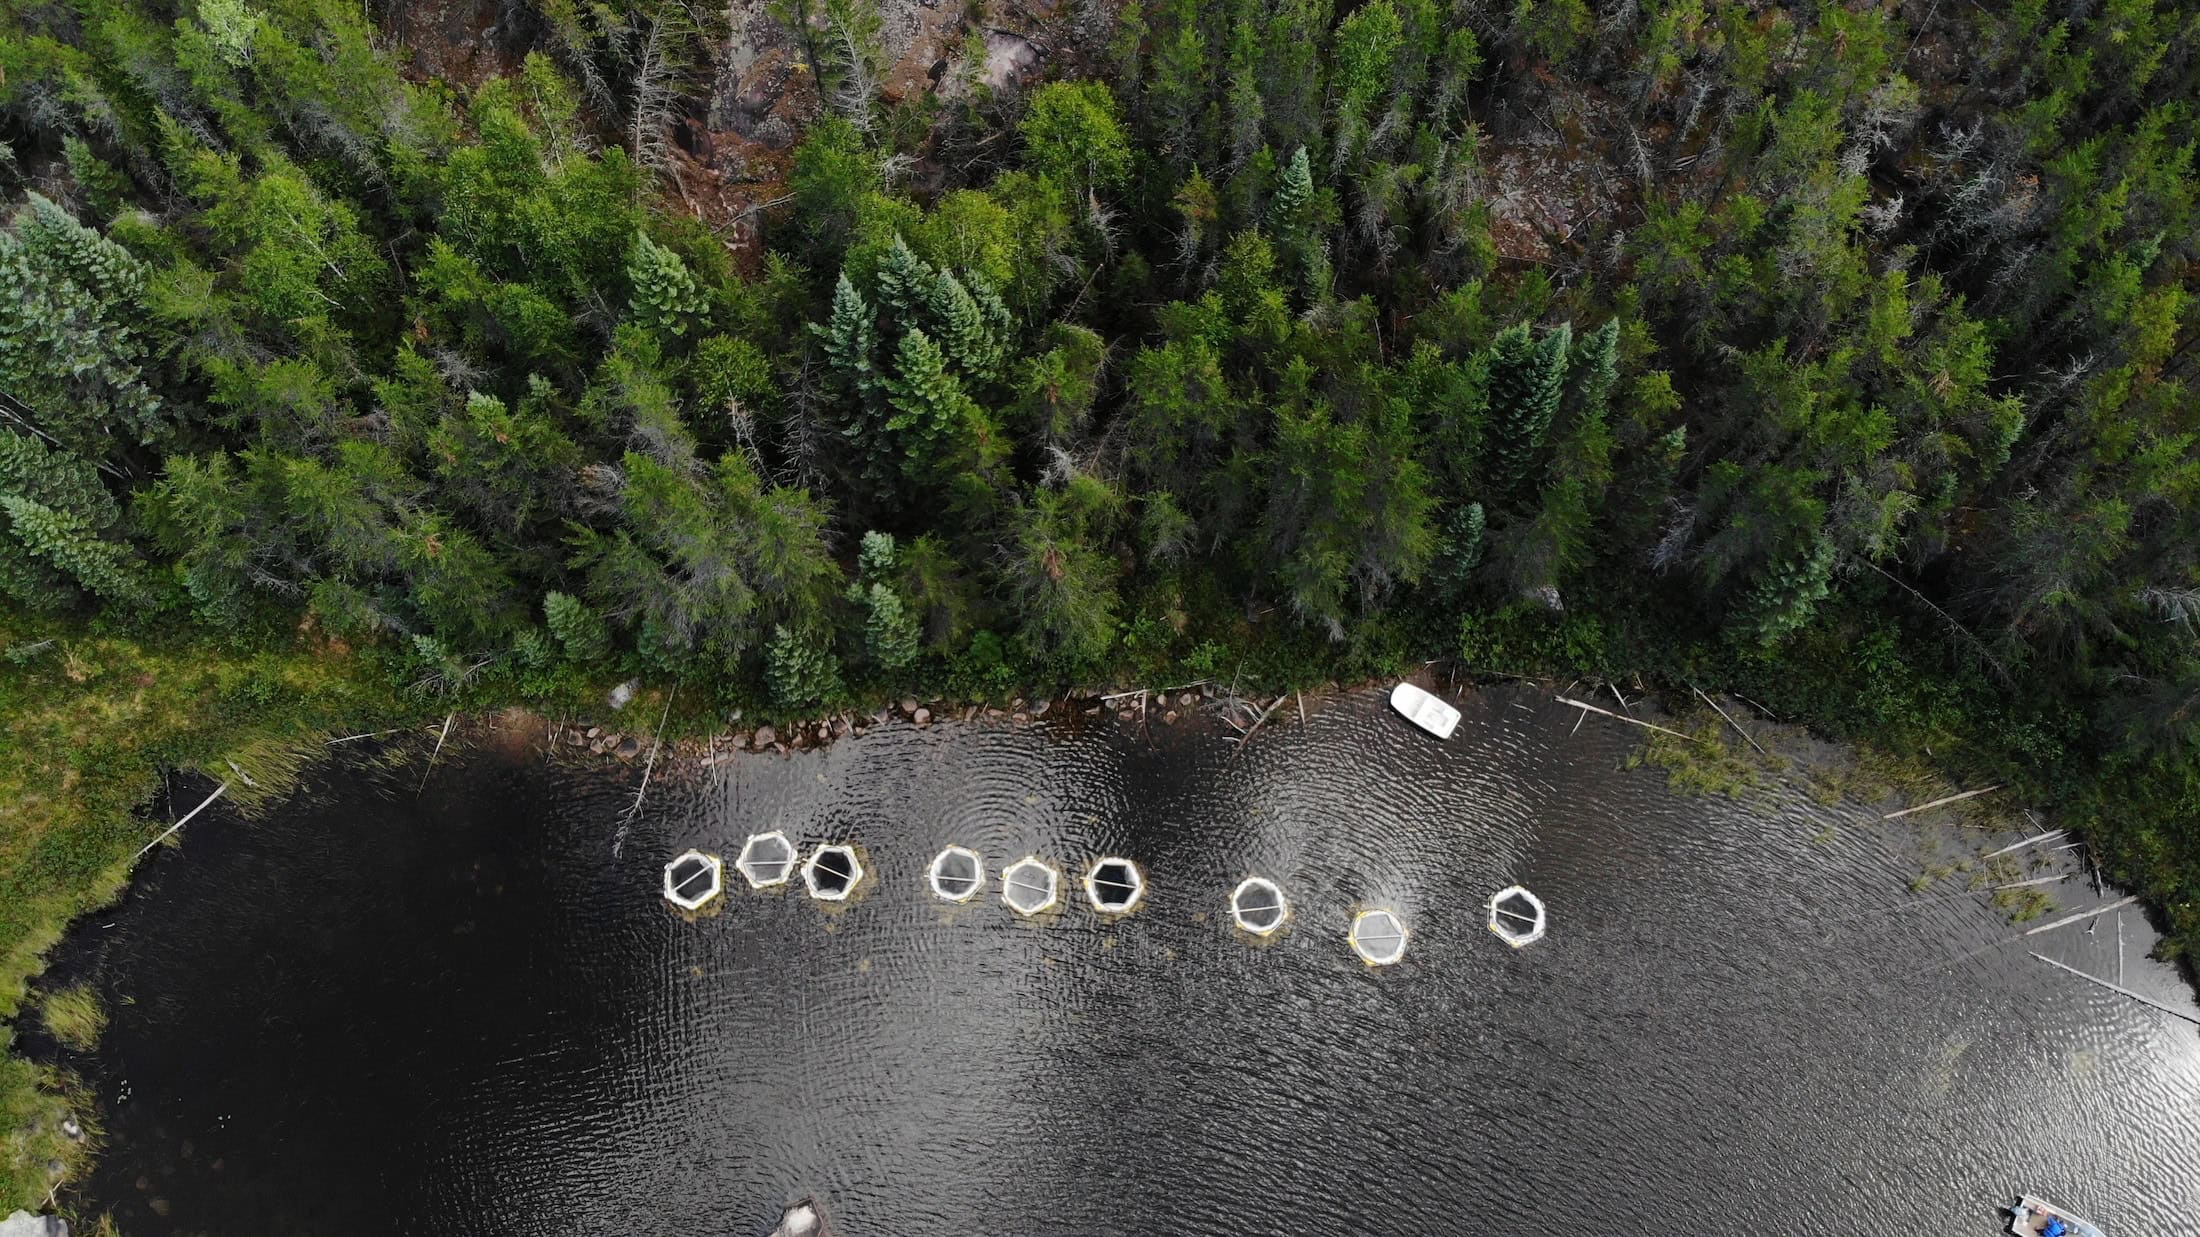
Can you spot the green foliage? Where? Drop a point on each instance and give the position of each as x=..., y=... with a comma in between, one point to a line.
x=579, y=629
x=665, y=296
x=800, y=669
x=1527, y=377
x=1073, y=134
x=70, y=339
x=1785, y=594
x=75, y=1017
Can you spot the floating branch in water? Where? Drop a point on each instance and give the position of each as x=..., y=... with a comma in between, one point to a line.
x=2030, y=841
x=1617, y=717
x=1248, y=735
x=2067, y=920
x=1729, y=720
x=218, y=792
x=2043, y=880
x=437, y=752
x=2118, y=988
x=1948, y=799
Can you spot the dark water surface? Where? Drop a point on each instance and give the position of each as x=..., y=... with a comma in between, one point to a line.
x=455, y=1012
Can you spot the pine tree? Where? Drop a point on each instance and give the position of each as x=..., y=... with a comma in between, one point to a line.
x=665, y=296
x=1526, y=380
x=579, y=628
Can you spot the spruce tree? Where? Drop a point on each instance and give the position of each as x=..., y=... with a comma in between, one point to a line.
x=890, y=633
x=966, y=333
x=51, y=482
x=1526, y=380
x=106, y=568
x=1784, y=594
x=1288, y=210
x=850, y=337
x=665, y=296
x=934, y=420
x=70, y=346
x=1458, y=551
x=580, y=629
x=799, y=669
x=905, y=286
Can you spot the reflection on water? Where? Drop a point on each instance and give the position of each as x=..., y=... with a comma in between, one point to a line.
x=455, y=1012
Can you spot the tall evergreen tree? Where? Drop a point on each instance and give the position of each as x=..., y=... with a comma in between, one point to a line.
x=1527, y=378
x=71, y=346
x=665, y=296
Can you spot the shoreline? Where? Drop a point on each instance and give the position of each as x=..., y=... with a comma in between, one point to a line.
x=1709, y=758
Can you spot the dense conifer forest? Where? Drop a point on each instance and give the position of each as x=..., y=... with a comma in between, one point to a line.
x=1840, y=354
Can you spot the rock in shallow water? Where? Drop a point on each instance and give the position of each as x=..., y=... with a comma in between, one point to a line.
x=24, y=1224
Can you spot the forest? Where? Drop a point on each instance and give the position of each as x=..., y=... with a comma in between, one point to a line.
x=1837, y=353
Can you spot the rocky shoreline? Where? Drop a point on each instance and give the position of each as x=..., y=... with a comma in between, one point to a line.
x=1166, y=706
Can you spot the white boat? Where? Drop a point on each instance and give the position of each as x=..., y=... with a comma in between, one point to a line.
x=2034, y=1216
x=1424, y=710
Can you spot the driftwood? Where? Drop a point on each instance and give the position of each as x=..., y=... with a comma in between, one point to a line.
x=372, y=734
x=424, y=773
x=655, y=741
x=1944, y=801
x=1247, y=737
x=2067, y=920
x=2034, y=840
x=1568, y=700
x=2042, y=880
x=218, y=792
x=2119, y=989
x=1729, y=720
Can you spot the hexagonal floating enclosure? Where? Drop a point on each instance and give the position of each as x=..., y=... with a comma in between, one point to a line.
x=957, y=874
x=1029, y=886
x=1258, y=906
x=766, y=859
x=1115, y=885
x=1379, y=937
x=832, y=873
x=1516, y=916
x=693, y=879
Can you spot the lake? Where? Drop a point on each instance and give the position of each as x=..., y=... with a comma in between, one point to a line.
x=445, y=1006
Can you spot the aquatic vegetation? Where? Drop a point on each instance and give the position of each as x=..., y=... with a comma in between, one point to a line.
x=74, y=1016
x=1712, y=761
